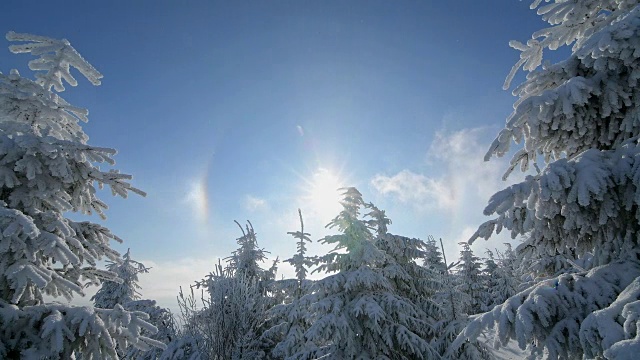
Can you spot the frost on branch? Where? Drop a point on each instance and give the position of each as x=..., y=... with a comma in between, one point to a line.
x=563, y=315
x=587, y=101
x=46, y=170
x=56, y=57
x=588, y=204
x=581, y=117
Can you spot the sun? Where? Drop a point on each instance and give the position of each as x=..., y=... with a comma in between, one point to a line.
x=322, y=195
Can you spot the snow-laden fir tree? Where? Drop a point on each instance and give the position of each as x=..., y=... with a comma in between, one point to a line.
x=125, y=292
x=288, y=319
x=236, y=298
x=233, y=311
x=246, y=259
x=455, y=299
x=124, y=289
x=581, y=117
x=426, y=287
x=357, y=312
x=412, y=281
x=300, y=261
x=491, y=277
x=470, y=281
x=433, y=257
x=47, y=169
x=500, y=279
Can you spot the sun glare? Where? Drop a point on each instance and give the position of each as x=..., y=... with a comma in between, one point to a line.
x=323, y=196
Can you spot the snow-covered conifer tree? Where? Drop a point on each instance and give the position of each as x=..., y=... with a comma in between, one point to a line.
x=125, y=288
x=47, y=170
x=357, y=312
x=245, y=261
x=236, y=299
x=289, y=319
x=500, y=280
x=415, y=282
x=125, y=292
x=433, y=257
x=300, y=261
x=579, y=116
x=470, y=281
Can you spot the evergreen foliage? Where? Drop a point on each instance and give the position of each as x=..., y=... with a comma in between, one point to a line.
x=125, y=292
x=470, y=281
x=500, y=278
x=48, y=169
x=288, y=319
x=357, y=312
x=433, y=257
x=580, y=213
x=124, y=289
x=232, y=320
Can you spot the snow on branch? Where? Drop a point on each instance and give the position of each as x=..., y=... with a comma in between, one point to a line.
x=56, y=57
x=562, y=315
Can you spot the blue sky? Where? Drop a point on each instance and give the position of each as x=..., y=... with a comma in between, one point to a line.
x=242, y=110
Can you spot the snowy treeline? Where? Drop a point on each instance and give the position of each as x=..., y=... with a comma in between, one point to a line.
x=570, y=290
x=384, y=296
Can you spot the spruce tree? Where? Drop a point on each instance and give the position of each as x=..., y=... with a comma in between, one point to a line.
x=49, y=170
x=500, y=280
x=579, y=117
x=123, y=289
x=470, y=281
x=289, y=319
x=236, y=298
x=357, y=312
x=433, y=257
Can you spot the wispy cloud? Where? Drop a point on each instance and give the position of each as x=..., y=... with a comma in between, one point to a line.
x=417, y=189
x=252, y=203
x=462, y=175
x=454, y=191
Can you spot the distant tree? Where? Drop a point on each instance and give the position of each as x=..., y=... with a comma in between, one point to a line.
x=288, y=319
x=470, y=280
x=500, y=280
x=125, y=292
x=235, y=301
x=580, y=117
x=48, y=169
x=433, y=257
x=124, y=288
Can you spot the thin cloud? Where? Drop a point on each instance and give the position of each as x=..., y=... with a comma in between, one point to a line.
x=417, y=189
x=457, y=192
x=462, y=177
x=252, y=203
